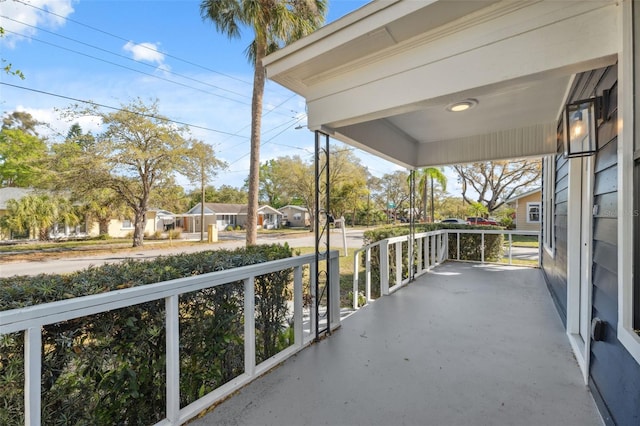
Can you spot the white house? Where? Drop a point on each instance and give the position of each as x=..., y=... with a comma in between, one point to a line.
x=225, y=215
x=295, y=216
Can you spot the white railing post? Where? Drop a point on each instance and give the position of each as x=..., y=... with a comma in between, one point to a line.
x=433, y=250
x=249, y=327
x=313, y=276
x=367, y=275
x=32, y=376
x=446, y=246
x=384, y=268
x=482, y=247
x=172, y=313
x=334, y=281
x=458, y=246
x=419, y=256
x=425, y=242
x=356, y=285
x=298, y=330
x=510, y=248
x=399, y=263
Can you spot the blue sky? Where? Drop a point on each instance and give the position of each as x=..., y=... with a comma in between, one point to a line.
x=111, y=52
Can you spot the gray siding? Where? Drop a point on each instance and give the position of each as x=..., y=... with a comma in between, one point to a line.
x=614, y=374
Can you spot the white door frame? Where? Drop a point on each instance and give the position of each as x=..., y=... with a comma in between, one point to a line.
x=579, y=258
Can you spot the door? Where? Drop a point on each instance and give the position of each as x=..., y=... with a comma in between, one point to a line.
x=586, y=229
x=579, y=258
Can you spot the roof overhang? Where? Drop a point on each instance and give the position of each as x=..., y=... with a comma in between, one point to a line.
x=381, y=78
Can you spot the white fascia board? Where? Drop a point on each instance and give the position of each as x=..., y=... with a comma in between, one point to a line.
x=532, y=141
x=493, y=52
x=356, y=24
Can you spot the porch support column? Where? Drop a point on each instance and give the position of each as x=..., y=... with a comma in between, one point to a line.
x=322, y=231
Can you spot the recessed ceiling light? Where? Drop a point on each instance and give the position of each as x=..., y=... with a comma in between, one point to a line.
x=462, y=106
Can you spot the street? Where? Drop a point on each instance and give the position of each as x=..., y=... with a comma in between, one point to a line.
x=75, y=263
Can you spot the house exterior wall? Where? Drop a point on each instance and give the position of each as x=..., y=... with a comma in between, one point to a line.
x=614, y=375
x=554, y=265
x=522, y=222
x=117, y=228
x=295, y=217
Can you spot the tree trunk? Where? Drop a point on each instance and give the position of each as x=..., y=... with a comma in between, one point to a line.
x=103, y=226
x=138, y=231
x=432, y=208
x=424, y=200
x=254, y=162
x=43, y=234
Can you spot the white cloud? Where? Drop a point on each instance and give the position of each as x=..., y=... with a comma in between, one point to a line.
x=46, y=14
x=145, y=52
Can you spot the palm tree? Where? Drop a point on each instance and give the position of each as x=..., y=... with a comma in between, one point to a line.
x=274, y=23
x=37, y=213
x=430, y=174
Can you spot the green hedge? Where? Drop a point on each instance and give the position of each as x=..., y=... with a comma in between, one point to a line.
x=110, y=368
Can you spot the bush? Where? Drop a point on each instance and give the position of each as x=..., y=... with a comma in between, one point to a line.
x=109, y=368
x=175, y=234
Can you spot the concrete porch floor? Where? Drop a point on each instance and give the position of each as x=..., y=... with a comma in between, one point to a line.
x=465, y=344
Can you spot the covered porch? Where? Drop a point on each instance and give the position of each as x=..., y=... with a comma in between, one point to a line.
x=465, y=344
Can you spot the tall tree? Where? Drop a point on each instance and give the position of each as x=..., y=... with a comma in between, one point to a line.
x=394, y=192
x=138, y=152
x=274, y=23
x=201, y=165
x=494, y=182
x=21, y=158
x=427, y=176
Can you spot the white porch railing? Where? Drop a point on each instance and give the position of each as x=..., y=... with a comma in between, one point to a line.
x=33, y=318
x=432, y=248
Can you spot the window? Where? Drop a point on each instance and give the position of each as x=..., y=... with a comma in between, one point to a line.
x=127, y=224
x=533, y=212
x=297, y=216
x=548, y=202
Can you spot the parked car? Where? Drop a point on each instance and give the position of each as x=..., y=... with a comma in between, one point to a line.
x=454, y=220
x=482, y=221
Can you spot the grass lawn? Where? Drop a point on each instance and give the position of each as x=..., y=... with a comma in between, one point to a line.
x=346, y=273
x=523, y=240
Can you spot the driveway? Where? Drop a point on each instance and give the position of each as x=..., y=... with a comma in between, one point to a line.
x=227, y=241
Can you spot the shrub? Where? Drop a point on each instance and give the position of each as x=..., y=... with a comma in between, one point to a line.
x=109, y=368
x=175, y=234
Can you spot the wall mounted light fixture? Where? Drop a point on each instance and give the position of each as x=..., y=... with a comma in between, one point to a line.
x=581, y=119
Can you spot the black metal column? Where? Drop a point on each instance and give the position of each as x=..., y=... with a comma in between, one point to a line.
x=321, y=228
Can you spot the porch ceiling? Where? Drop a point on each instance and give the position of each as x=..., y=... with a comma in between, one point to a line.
x=382, y=77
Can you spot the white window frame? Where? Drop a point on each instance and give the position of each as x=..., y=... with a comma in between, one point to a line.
x=530, y=206
x=125, y=226
x=625, y=333
x=548, y=204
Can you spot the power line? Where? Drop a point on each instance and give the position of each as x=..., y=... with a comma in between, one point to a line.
x=112, y=53
x=268, y=140
x=124, y=39
x=134, y=60
x=130, y=69
x=120, y=109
